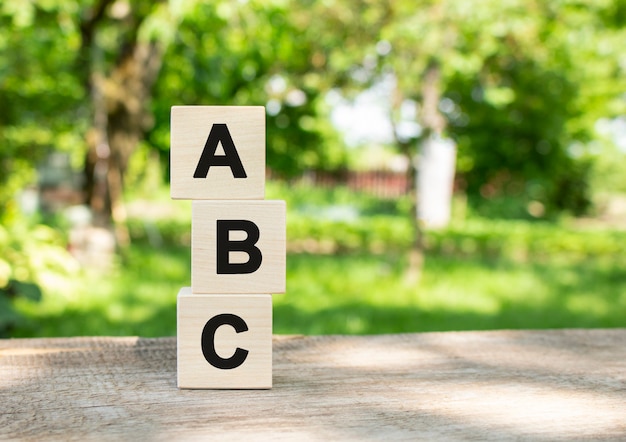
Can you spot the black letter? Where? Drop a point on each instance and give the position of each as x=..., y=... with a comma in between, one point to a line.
x=225, y=246
x=219, y=132
x=208, y=341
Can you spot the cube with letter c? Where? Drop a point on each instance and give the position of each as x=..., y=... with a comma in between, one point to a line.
x=224, y=341
x=238, y=247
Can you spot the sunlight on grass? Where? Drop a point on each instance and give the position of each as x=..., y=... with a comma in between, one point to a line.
x=588, y=303
x=355, y=294
x=479, y=274
x=368, y=296
x=137, y=297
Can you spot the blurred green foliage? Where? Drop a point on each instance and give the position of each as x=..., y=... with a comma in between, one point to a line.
x=258, y=54
x=378, y=228
x=521, y=86
x=31, y=257
x=346, y=275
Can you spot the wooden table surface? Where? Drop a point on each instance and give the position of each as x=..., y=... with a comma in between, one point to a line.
x=500, y=385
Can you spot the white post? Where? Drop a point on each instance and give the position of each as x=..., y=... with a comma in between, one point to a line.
x=435, y=179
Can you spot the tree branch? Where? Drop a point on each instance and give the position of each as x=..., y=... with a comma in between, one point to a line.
x=88, y=25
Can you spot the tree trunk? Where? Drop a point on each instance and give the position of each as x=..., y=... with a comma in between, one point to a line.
x=433, y=124
x=127, y=93
x=416, y=255
x=119, y=100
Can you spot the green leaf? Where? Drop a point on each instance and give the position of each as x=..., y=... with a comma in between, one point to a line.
x=5, y=273
x=27, y=290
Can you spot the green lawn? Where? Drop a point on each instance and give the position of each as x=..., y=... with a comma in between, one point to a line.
x=351, y=293
x=479, y=274
x=369, y=295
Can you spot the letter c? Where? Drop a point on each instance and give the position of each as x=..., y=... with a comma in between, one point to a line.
x=208, y=341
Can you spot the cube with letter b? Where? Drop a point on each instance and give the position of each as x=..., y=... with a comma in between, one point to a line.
x=238, y=247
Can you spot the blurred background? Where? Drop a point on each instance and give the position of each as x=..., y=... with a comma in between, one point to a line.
x=447, y=164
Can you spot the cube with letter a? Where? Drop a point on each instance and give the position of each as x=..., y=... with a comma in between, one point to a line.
x=217, y=152
x=238, y=247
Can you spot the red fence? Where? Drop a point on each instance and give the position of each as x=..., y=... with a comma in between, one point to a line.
x=380, y=183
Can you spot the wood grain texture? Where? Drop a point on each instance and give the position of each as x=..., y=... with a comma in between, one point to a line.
x=193, y=313
x=270, y=218
x=190, y=128
x=494, y=386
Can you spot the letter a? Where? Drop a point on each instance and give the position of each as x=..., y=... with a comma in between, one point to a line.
x=219, y=133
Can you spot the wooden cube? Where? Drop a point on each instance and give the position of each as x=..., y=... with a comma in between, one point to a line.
x=217, y=152
x=224, y=341
x=238, y=247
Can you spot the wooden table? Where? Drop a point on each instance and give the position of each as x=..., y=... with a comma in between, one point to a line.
x=501, y=385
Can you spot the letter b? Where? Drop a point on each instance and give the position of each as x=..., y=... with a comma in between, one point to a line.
x=225, y=245
x=238, y=247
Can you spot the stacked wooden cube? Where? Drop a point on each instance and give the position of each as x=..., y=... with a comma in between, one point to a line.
x=224, y=320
